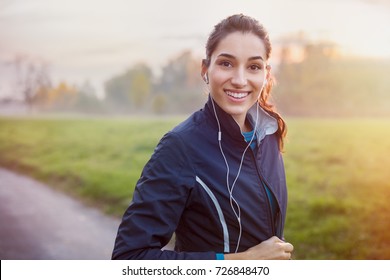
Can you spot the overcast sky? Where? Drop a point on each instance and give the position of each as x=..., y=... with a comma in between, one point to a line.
x=96, y=39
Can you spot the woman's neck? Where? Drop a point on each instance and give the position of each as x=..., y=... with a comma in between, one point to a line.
x=243, y=123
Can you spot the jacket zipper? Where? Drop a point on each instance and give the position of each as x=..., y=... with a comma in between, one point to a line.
x=266, y=195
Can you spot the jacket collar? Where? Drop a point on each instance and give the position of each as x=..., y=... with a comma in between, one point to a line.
x=266, y=124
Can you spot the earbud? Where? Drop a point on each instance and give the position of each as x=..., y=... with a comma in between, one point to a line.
x=206, y=79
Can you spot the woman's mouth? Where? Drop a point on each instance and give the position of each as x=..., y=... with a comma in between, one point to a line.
x=237, y=95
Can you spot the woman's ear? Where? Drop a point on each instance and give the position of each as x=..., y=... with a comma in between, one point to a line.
x=203, y=72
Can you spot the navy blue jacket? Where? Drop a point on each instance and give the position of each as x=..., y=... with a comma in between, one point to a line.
x=183, y=190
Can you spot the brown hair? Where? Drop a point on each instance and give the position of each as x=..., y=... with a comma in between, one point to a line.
x=246, y=24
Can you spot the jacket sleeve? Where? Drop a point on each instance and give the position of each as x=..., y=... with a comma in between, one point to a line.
x=159, y=199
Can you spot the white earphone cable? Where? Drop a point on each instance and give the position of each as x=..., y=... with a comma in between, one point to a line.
x=237, y=212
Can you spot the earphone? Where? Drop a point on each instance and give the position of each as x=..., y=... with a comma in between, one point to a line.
x=206, y=79
x=233, y=202
x=230, y=189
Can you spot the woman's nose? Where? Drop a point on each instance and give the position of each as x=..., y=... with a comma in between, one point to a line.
x=239, y=78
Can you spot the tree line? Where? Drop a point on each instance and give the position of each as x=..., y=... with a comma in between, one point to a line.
x=320, y=83
x=326, y=84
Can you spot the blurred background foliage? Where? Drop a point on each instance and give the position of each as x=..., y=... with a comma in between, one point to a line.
x=312, y=80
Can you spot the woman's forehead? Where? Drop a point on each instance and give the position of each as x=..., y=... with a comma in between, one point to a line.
x=239, y=44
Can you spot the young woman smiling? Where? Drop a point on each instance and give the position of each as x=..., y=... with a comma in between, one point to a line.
x=217, y=180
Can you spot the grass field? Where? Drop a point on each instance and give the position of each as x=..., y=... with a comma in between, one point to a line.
x=337, y=172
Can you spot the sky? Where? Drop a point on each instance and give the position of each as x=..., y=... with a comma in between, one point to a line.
x=95, y=40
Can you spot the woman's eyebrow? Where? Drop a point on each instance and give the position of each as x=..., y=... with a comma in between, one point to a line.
x=256, y=57
x=233, y=57
x=227, y=55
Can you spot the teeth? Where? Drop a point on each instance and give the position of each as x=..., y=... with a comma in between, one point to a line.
x=237, y=95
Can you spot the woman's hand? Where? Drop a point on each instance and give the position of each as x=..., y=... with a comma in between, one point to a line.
x=270, y=249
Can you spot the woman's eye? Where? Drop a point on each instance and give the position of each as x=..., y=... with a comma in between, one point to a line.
x=255, y=67
x=226, y=64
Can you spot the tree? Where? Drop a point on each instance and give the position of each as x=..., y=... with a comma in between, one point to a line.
x=141, y=85
x=87, y=100
x=31, y=76
x=181, y=84
x=117, y=95
x=326, y=84
x=305, y=87
x=159, y=104
x=181, y=73
x=129, y=91
x=62, y=97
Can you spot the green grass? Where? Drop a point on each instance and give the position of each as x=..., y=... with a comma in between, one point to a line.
x=337, y=173
x=94, y=159
x=339, y=187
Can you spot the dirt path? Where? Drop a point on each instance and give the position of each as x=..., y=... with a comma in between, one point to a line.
x=37, y=222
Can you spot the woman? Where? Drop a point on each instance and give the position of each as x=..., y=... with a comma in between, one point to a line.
x=217, y=180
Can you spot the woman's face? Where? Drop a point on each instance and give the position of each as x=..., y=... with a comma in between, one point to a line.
x=237, y=73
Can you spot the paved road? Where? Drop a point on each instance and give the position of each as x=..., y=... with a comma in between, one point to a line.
x=37, y=222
